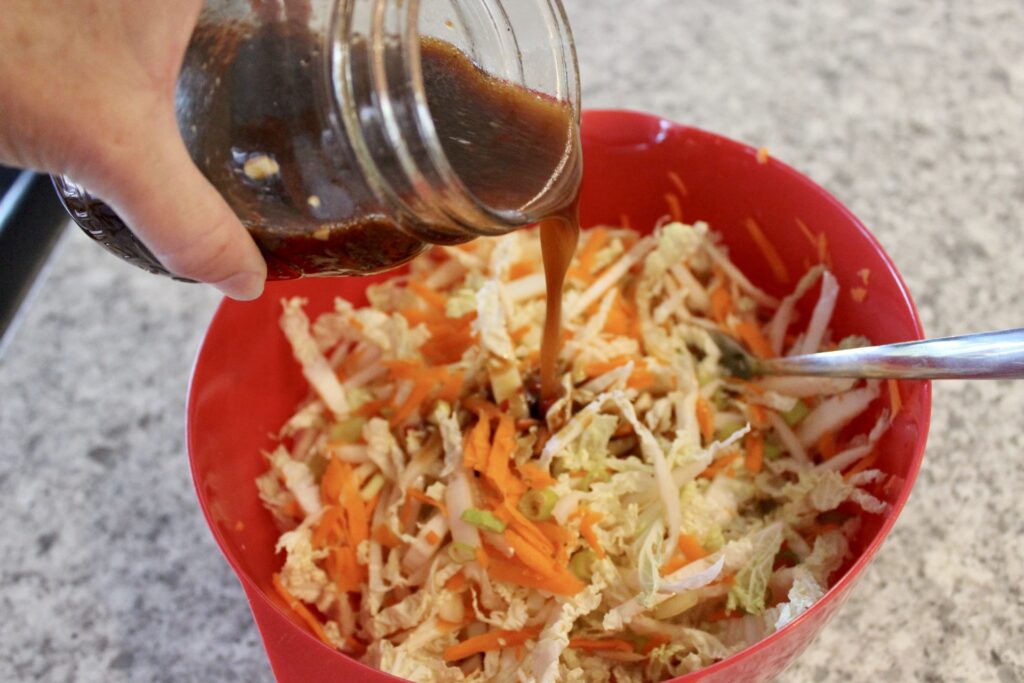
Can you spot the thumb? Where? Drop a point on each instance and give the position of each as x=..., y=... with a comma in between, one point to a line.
x=152, y=183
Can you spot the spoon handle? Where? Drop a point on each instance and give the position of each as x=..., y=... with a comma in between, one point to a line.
x=987, y=355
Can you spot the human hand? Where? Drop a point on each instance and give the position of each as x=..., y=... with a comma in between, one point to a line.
x=87, y=90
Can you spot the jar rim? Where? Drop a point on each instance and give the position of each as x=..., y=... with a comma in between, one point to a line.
x=395, y=114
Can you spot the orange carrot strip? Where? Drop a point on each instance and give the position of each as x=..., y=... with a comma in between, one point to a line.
x=432, y=537
x=456, y=582
x=502, y=569
x=596, y=368
x=502, y=449
x=535, y=477
x=827, y=445
x=383, y=535
x=355, y=509
x=529, y=554
x=330, y=483
x=771, y=255
x=691, y=547
x=676, y=563
x=413, y=402
x=474, y=455
x=585, y=263
x=587, y=522
x=721, y=304
x=301, y=610
x=751, y=334
x=480, y=406
x=754, y=459
x=452, y=387
x=719, y=465
x=706, y=419
x=488, y=642
x=482, y=558
x=372, y=408
x=675, y=210
x=657, y=640
x=867, y=462
x=427, y=500
x=521, y=269
x=348, y=366
x=429, y=296
x=895, y=402
x=674, y=178
x=758, y=415
x=640, y=379
x=602, y=644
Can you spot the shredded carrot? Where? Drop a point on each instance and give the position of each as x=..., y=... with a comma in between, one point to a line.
x=477, y=445
x=330, y=483
x=721, y=304
x=521, y=269
x=405, y=514
x=586, y=263
x=762, y=155
x=432, y=537
x=858, y=294
x=426, y=500
x=771, y=255
x=758, y=415
x=413, y=402
x=827, y=445
x=718, y=465
x=621, y=317
x=349, y=365
x=602, y=644
x=355, y=509
x=301, y=610
x=598, y=368
x=558, y=535
x=488, y=642
x=676, y=563
x=720, y=614
x=752, y=336
x=480, y=406
x=501, y=453
x=690, y=546
x=706, y=419
x=456, y=582
x=403, y=369
x=519, y=334
x=449, y=340
x=292, y=509
x=432, y=298
x=588, y=519
x=895, y=401
x=330, y=529
x=383, y=535
x=674, y=209
x=503, y=569
x=677, y=182
x=482, y=558
x=754, y=459
x=371, y=408
x=865, y=463
x=451, y=387
x=535, y=477
x=640, y=379
x=657, y=640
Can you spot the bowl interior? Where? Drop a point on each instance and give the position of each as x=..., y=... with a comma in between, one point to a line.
x=638, y=169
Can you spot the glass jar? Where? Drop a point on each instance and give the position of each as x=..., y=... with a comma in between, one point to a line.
x=348, y=135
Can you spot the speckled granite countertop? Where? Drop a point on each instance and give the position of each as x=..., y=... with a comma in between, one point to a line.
x=910, y=111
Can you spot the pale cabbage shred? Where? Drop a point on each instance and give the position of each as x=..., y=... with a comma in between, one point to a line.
x=628, y=452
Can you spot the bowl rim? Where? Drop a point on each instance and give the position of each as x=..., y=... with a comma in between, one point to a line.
x=837, y=589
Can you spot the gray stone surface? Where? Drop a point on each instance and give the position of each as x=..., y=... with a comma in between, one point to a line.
x=910, y=111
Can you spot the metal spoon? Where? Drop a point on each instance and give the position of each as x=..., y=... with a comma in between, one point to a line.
x=987, y=355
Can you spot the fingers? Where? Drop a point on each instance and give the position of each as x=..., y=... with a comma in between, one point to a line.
x=153, y=185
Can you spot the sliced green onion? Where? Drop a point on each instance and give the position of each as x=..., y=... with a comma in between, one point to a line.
x=720, y=399
x=349, y=430
x=461, y=553
x=372, y=487
x=538, y=505
x=796, y=413
x=582, y=564
x=772, y=450
x=485, y=520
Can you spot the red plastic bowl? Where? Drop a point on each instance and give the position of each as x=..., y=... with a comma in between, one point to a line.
x=245, y=382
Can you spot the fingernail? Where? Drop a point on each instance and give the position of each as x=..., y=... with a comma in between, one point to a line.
x=244, y=286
